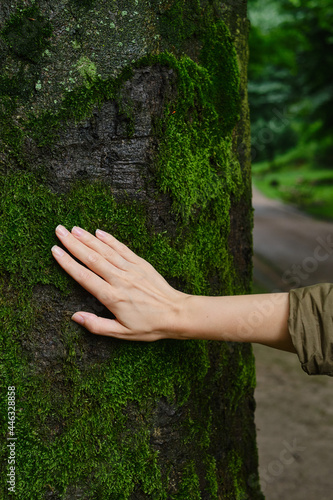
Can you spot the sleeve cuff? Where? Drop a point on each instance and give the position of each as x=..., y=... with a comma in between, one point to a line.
x=311, y=327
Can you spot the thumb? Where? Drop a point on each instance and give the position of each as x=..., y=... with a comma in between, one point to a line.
x=100, y=326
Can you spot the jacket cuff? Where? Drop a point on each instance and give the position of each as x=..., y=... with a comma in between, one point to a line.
x=311, y=327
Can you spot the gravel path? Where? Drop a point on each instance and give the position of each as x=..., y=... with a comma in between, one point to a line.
x=294, y=415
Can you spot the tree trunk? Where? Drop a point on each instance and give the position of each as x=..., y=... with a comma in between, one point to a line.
x=129, y=116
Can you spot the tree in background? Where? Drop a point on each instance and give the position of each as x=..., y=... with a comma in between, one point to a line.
x=130, y=116
x=291, y=98
x=291, y=69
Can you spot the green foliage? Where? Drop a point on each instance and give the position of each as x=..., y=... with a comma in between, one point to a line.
x=293, y=179
x=27, y=33
x=291, y=97
x=291, y=71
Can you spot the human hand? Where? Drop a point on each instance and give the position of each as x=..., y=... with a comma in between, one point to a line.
x=146, y=307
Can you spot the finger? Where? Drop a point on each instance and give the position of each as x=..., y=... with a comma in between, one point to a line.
x=89, y=257
x=100, y=326
x=110, y=328
x=119, y=247
x=86, y=278
x=109, y=254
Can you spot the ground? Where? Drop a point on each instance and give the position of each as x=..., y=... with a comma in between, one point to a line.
x=294, y=415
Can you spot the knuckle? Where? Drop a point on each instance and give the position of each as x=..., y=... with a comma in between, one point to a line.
x=110, y=254
x=144, y=264
x=83, y=275
x=122, y=248
x=105, y=297
x=92, y=258
x=115, y=258
x=126, y=252
x=94, y=328
x=123, y=264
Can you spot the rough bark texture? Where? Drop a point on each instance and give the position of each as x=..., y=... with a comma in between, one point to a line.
x=130, y=116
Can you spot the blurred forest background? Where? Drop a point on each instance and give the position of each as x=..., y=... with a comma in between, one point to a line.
x=291, y=101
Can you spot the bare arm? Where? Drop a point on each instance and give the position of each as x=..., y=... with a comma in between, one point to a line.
x=261, y=318
x=147, y=308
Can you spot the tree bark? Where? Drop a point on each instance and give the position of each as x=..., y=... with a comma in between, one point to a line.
x=130, y=116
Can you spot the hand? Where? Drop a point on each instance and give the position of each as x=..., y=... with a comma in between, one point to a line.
x=146, y=307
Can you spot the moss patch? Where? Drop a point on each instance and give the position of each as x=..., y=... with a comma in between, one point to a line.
x=27, y=33
x=106, y=389
x=235, y=471
x=189, y=486
x=87, y=70
x=86, y=428
x=95, y=398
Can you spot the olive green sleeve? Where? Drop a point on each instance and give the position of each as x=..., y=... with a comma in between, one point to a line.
x=311, y=327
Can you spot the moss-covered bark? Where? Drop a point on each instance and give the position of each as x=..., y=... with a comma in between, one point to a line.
x=130, y=116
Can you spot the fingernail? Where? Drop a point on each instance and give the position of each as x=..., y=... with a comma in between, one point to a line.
x=101, y=233
x=77, y=231
x=78, y=318
x=62, y=230
x=57, y=251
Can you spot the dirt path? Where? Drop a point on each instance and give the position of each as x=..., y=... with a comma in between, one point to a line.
x=298, y=248
x=294, y=415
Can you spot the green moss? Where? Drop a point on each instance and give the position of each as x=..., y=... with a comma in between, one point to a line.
x=235, y=471
x=91, y=442
x=211, y=478
x=43, y=127
x=179, y=20
x=185, y=23
x=27, y=33
x=219, y=55
x=16, y=86
x=245, y=381
x=84, y=4
x=106, y=391
x=87, y=70
x=189, y=486
x=200, y=179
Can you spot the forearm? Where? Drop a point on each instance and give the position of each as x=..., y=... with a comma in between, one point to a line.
x=147, y=308
x=259, y=318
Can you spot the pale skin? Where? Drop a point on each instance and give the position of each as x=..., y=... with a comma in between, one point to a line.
x=147, y=308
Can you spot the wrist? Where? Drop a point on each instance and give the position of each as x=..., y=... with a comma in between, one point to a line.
x=196, y=318
x=178, y=322
x=201, y=317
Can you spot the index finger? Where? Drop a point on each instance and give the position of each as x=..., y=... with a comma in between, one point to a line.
x=118, y=246
x=86, y=278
